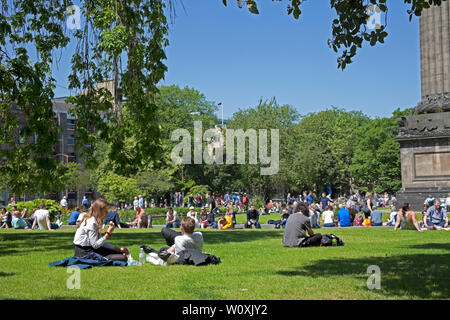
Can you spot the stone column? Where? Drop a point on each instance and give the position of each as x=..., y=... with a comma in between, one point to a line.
x=435, y=50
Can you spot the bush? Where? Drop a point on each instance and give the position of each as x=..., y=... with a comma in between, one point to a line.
x=53, y=207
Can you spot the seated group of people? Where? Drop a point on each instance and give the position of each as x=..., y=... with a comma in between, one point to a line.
x=434, y=217
x=204, y=219
x=40, y=219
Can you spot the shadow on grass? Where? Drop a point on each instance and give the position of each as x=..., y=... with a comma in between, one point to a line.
x=6, y=274
x=440, y=246
x=422, y=276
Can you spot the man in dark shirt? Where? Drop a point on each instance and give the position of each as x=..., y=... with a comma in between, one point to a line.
x=253, y=218
x=298, y=227
x=210, y=205
x=113, y=216
x=324, y=201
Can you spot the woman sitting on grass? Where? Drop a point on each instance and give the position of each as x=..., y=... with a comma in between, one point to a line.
x=6, y=219
x=406, y=219
x=328, y=217
x=204, y=223
x=88, y=238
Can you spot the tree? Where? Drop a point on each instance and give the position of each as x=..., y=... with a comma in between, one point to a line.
x=116, y=188
x=376, y=162
x=154, y=183
x=267, y=115
x=323, y=149
x=75, y=177
x=134, y=32
x=178, y=108
x=349, y=29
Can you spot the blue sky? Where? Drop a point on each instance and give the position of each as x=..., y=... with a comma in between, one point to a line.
x=237, y=58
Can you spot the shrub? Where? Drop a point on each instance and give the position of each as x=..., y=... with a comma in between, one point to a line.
x=52, y=206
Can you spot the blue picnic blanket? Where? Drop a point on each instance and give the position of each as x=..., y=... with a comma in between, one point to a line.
x=88, y=261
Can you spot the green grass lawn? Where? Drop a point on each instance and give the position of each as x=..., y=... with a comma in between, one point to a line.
x=254, y=265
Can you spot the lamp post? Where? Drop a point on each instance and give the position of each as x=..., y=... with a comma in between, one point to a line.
x=67, y=161
x=220, y=104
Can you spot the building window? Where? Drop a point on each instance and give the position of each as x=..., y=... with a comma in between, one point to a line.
x=71, y=140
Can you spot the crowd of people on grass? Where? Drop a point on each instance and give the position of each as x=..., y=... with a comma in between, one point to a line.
x=298, y=217
x=324, y=211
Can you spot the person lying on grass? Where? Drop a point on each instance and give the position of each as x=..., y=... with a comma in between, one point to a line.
x=187, y=239
x=406, y=219
x=298, y=226
x=88, y=236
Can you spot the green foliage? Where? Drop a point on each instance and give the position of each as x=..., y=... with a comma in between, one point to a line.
x=323, y=150
x=376, y=161
x=27, y=130
x=116, y=188
x=349, y=27
x=52, y=206
x=268, y=115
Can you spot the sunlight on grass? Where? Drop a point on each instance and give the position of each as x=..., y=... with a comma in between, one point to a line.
x=254, y=266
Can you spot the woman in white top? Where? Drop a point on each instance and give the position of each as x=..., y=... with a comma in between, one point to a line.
x=88, y=238
x=42, y=219
x=328, y=217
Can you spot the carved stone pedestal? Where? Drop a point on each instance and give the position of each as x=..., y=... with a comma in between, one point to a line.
x=425, y=158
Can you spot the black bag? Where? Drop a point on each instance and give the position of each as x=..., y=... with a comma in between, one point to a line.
x=197, y=258
x=216, y=211
x=329, y=240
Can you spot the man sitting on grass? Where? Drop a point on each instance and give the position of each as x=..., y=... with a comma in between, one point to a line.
x=73, y=217
x=187, y=239
x=343, y=216
x=113, y=216
x=376, y=217
x=298, y=226
x=436, y=217
x=252, y=218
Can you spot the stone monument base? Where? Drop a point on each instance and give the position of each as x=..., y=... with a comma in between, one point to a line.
x=425, y=158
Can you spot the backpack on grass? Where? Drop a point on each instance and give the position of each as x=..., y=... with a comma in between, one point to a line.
x=329, y=240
